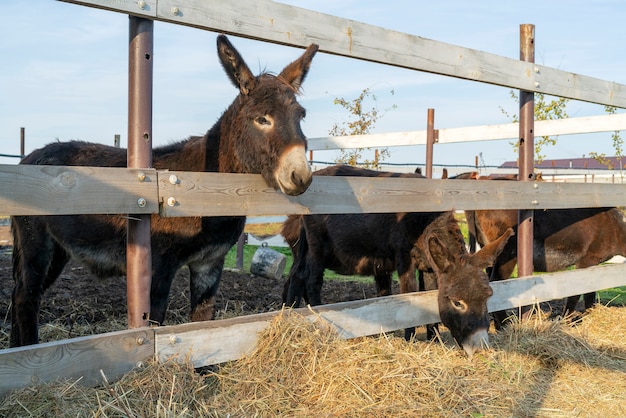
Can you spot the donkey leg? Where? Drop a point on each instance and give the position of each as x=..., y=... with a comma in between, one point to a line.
x=570, y=305
x=313, y=283
x=383, y=284
x=501, y=272
x=428, y=281
x=589, y=299
x=294, y=286
x=408, y=283
x=35, y=267
x=204, y=284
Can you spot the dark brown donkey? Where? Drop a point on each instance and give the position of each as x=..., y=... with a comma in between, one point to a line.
x=561, y=238
x=259, y=133
x=378, y=244
x=581, y=237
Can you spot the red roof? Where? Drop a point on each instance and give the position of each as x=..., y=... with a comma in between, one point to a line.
x=614, y=163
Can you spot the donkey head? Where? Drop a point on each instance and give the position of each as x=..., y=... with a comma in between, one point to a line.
x=264, y=121
x=463, y=287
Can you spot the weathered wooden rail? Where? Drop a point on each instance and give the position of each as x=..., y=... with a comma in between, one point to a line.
x=57, y=190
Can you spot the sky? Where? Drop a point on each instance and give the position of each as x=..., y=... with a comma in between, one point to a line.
x=64, y=71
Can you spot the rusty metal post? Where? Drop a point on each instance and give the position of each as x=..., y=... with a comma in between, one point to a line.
x=430, y=141
x=526, y=155
x=138, y=249
x=22, y=142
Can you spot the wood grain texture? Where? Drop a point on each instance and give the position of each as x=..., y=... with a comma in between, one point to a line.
x=52, y=190
x=288, y=25
x=81, y=358
x=58, y=190
x=212, y=194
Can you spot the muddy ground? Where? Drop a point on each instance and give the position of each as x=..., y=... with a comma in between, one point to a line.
x=79, y=304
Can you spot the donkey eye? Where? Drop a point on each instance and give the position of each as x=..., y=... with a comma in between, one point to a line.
x=459, y=304
x=262, y=120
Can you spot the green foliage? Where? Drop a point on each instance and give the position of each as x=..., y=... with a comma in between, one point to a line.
x=618, y=146
x=361, y=122
x=613, y=297
x=544, y=110
x=230, y=262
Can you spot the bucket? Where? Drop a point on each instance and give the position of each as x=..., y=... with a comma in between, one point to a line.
x=268, y=263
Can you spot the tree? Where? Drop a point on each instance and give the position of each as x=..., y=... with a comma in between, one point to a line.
x=361, y=123
x=544, y=110
x=618, y=146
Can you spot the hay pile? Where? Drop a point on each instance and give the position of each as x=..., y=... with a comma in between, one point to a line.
x=301, y=369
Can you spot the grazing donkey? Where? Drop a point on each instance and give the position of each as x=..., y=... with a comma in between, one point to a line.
x=259, y=133
x=378, y=244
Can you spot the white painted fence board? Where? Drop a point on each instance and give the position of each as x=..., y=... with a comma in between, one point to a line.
x=59, y=190
x=569, y=126
x=289, y=25
x=514, y=293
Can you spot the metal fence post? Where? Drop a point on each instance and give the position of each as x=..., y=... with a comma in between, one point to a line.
x=526, y=155
x=138, y=249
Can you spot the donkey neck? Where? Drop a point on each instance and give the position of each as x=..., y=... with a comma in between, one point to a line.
x=224, y=139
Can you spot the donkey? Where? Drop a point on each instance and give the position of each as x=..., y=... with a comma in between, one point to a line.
x=581, y=237
x=378, y=244
x=259, y=133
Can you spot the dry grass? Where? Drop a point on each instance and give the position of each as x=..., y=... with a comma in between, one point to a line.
x=538, y=368
x=264, y=230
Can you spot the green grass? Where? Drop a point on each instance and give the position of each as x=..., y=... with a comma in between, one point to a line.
x=615, y=296
x=249, y=250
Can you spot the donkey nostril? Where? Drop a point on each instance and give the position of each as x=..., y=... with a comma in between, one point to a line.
x=294, y=177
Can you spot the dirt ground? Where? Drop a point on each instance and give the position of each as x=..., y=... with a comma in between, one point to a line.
x=83, y=304
x=80, y=304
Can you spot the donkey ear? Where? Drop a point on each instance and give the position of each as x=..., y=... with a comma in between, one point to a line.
x=438, y=256
x=234, y=65
x=488, y=254
x=296, y=72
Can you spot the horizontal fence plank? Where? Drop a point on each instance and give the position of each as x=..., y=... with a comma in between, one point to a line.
x=54, y=190
x=59, y=190
x=514, y=293
x=214, y=342
x=289, y=25
x=81, y=358
x=569, y=126
x=212, y=194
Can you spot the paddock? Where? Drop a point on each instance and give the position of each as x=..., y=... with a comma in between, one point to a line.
x=30, y=190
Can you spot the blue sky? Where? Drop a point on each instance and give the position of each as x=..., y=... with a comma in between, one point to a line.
x=64, y=72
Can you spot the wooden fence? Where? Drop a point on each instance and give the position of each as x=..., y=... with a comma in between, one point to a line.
x=50, y=190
